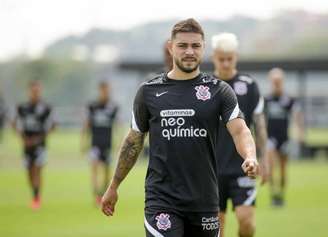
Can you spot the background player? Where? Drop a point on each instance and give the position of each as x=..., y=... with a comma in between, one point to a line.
x=3, y=111
x=233, y=184
x=101, y=115
x=279, y=108
x=181, y=181
x=33, y=122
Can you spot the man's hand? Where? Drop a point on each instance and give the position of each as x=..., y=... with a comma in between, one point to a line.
x=108, y=201
x=129, y=153
x=251, y=167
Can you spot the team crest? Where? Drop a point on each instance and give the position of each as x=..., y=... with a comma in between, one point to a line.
x=203, y=93
x=240, y=88
x=163, y=221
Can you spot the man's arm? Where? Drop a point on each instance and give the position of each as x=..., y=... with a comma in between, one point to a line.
x=85, y=136
x=298, y=119
x=128, y=155
x=261, y=142
x=245, y=145
x=260, y=134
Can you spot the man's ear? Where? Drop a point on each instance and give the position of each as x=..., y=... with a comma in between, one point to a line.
x=169, y=46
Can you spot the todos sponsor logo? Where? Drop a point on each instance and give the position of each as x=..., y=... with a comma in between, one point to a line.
x=210, y=223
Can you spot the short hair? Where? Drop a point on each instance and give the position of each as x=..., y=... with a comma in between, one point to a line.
x=187, y=26
x=103, y=83
x=277, y=70
x=226, y=42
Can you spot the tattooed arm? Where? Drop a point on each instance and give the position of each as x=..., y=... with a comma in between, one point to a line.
x=261, y=141
x=128, y=155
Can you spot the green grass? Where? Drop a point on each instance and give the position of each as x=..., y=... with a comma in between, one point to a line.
x=68, y=208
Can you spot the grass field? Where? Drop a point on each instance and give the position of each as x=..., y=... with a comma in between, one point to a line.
x=68, y=209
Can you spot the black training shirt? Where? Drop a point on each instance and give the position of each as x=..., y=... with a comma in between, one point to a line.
x=250, y=103
x=101, y=117
x=182, y=118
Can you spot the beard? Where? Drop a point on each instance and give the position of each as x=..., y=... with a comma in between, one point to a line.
x=186, y=69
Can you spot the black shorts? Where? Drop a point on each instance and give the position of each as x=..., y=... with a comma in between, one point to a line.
x=35, y=156
x=162, y=223
x=101, y=154
x=240, y=189
x=278, y=143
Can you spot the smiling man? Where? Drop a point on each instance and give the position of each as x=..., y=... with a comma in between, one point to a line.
x=180, y=110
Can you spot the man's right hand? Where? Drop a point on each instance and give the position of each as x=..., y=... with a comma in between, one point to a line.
x=108, y=201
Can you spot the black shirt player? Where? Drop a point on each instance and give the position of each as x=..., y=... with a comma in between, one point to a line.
x=101, y=115
x=3, y=112
x=180, y=110
x=233, y=184
x=278, y=108
x=33, y=121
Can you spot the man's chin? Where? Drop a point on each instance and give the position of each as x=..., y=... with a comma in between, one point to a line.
x=189, y=70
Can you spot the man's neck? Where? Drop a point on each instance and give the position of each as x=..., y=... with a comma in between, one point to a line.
x=103, y=100
x=277, y=94
x=177, y=74
x=34, y=101
x=225, y=76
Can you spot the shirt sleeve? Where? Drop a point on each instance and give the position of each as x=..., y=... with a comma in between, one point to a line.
x=258, y=100
x=115, y=111
x=140, y=113
x=295, y=105
x=229, y=108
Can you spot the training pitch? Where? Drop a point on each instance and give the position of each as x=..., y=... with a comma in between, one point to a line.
x=68, y=209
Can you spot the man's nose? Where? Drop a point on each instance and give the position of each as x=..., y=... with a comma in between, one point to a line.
x=189, y=51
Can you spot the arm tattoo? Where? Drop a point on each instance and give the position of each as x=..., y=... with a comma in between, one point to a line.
x=128, y=155
x=260, y=134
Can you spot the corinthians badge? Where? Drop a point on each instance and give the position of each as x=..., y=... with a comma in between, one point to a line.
x=203, y=92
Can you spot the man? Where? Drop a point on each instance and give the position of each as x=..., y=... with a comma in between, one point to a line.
x=180, y=110
x=233, y=184
x=2, y=116
x=279, y=108
x=33, y=122
x=101, y=116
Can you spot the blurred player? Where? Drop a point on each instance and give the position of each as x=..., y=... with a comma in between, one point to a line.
x=99, y=123
x=279, y=108
x=2, y=117
x=233, y=183
x=180, y=110
x=33, y=122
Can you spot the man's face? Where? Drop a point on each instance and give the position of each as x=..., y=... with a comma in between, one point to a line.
x=277, y=83
x=35, y=92
x=187, y=50
x=103, y=92
x=224, y=62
